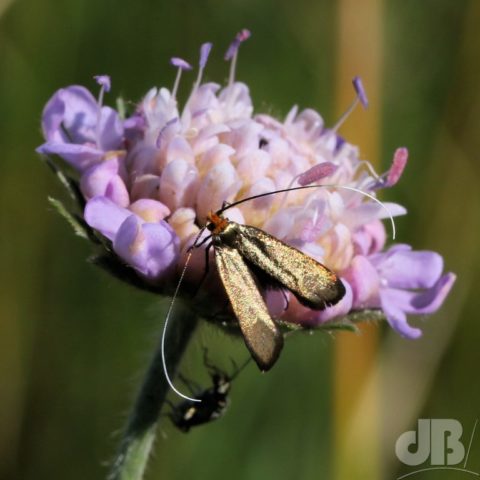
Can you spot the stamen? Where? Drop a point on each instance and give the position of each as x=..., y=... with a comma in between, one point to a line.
x=105, y=85
x=204, y=53
x=360, y=97
x=181, y=65
x=392, y=176
x=232, y=52
x=312, y=175
x=316, y=173
x=399, y=162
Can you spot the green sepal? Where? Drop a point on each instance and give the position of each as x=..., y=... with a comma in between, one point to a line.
x=80, y=228
x=228, y=323
x=366, y=315
x=70, y=183
x=340, y=326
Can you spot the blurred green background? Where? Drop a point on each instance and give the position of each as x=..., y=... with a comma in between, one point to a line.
x=74, y=342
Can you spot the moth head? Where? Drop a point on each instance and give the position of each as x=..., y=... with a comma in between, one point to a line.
x=216, y=223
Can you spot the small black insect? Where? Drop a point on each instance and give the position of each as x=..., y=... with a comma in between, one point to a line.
x=262, y=143
x=214, y=399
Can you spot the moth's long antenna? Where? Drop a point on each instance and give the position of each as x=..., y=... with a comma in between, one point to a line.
x=167, y=318
x=344, y=187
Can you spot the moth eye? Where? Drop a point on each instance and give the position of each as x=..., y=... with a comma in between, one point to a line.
x=210, y=226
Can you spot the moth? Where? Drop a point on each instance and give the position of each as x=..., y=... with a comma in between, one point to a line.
x=238, y=250
x=242, y=249
x=213, y=402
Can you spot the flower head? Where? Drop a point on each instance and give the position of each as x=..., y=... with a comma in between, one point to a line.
x=150, y=180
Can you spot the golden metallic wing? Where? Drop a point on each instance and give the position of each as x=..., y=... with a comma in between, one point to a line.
x=262, y=336
x=311, y=282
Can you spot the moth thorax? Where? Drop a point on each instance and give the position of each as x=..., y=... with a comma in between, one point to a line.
x=216, y=223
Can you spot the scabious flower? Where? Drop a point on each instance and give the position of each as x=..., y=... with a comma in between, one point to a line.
x=149, y=180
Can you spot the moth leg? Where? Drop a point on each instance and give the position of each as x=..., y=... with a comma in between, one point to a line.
x=207, y=260
x=205, y=240
x=234, y=366
x=210, y=366
x=237, y=369
x=207, y=266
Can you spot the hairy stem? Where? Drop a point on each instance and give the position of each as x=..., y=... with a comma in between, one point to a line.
x=139, y=435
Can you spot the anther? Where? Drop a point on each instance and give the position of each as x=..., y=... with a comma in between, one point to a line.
x=105, y=85
x=204, y=53
x=232, y=52
x=360, y=97
x=181, y=65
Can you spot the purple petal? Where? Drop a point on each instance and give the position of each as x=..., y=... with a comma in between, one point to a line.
x=95, y=180
x=204, y=53
x=151, y=248
x=52, y=118
x=145, y=186
x=163, y=131
x=396, y=317
x=220, y=184
x=105, y=216
x=340, y=309
x=364, y=280
x=376, y=230
x=73, y=110
x=151, y=211
x=179, y=184
x=180, y=63
x=358, y=86
x=276, y=301
x=370, y=238
x=135, y=122
x=367, y=212
x=407, y=269
x=316, y=173
x=103, y=81
x=427, y=301
x=78, y=156
x=110, y=130
x=117, y=192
